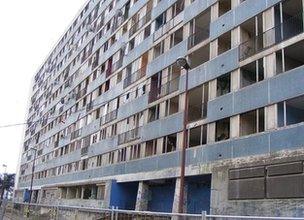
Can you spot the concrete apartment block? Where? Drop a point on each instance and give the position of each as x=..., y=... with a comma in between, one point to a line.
x=105, y=123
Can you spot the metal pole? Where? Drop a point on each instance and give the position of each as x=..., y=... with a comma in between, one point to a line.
x=183, y=156
x=32, y=179
x=204, y=215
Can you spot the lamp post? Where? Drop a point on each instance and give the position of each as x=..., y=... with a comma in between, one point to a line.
x=33, y=170
x=5, y=168
x=182, y=62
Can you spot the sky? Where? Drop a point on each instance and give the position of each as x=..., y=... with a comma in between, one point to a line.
x=28, y=31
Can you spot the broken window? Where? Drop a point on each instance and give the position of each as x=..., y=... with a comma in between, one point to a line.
x=223, y=85
x=151, y=147
x=290, y=57
x=197, y=103
x=169, y=143
x=252, y=73
x=224, y=6
x=153, y=113
x=160, y=21
x=176, y=37
x=291, y=111
x=172, y=106
x=222, y=129
x=197, y=136
x=224, y=42
x=252, y=122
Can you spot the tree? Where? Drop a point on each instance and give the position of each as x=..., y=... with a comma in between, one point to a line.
x=7, y=182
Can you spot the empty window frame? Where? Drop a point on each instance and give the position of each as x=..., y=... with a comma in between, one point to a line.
x=197, y=103
x=252, y=73
x=197, y=136
x=135, y=151
x=290, y=57
x=169, y=143
x=153, y=113
x=122, y=155
x=291, y=112
x=223, y=85
x=151, y=148
x=252, y=122
x=172, y=106
x=222, y=129
x=176, y=37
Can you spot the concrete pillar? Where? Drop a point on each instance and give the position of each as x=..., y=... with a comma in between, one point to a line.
x=177, y=198
x=82, y=192
x=271, y=115
x=211, y=132
x=107, y=196
x=143, y=150
x=235, y=3
x=212, y=89
x=268, y=23
x=235, y=80
x=142, y=197
x=159, y=148
x=235, y=126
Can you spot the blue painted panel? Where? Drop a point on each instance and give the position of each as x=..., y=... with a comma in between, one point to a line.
x=161, y=197
x=287, y=139
x=280, y=86
x=220, y=107
x=251, y=97
x=198, y=194
x=253, y=145
x=123, y=195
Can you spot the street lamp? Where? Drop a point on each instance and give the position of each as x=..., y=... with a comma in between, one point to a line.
x=5, y=167
x=33, y=170
x=182, y=62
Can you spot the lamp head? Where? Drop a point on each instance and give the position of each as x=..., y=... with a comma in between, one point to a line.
x=183, y=63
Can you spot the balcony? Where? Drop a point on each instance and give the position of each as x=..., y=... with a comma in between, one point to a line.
x=111, y=116
x=129, y=136
x=166, y=89
x=84, y=151
x=112, y=68
x=130, y=79
x=75, y=134
x=288, y=29
x=198, y=37
x=140, y=23
x=81, y=93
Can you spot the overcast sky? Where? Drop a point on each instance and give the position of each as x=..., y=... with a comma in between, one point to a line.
x=29, y=30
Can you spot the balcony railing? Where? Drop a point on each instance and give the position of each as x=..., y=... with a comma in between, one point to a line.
x=199, y=36
x=129, y=136
x=166, y=89
x=134, y=77
x=139, y=24
x=111, y=116
x=289, y=28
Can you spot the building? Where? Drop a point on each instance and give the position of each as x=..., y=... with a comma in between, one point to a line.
x=107, y=108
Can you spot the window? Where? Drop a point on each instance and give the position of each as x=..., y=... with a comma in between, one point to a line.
x=151, y=148
x=172, y=106
x=252, y=73
x=176, y=37
x=222, y=129
x=291, y=112
x=135, y=152
x=197, y=136
x=153, y=113
x=252, y=122
x=169, y=143
x=160, y=21
x=223, y=85
x=197, y=103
